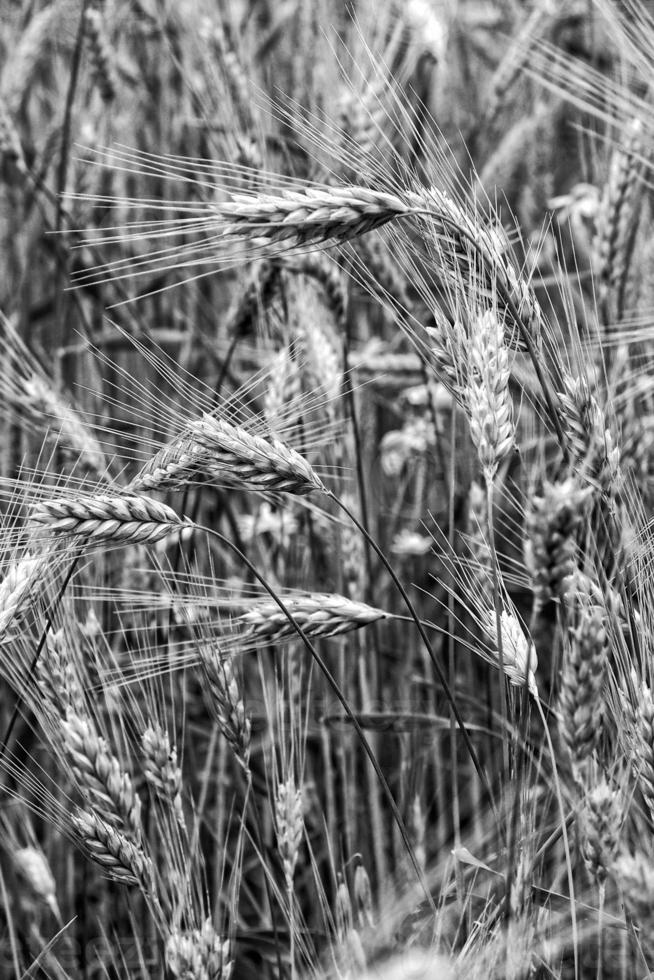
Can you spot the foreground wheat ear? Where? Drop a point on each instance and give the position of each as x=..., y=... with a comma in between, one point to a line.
x=128, y=518
x=214, y=450
x=318, y=615
x=309, y=216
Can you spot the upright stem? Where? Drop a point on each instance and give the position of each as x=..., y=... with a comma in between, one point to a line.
x=37, y=654
x=437, y=667
x=291, y=925
x=600, y=943
x=342, y=699
x=497, y=605
x=564, y=834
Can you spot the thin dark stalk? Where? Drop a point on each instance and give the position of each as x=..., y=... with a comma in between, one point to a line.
x=437, y=667
x=497, y=606
x=37, y=656
x=62, y=169
x=397, y=816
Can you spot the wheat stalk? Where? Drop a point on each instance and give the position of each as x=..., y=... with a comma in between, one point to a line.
x=363, y=895
x=352, y=555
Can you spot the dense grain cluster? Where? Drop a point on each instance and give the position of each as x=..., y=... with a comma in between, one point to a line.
x=326, y=499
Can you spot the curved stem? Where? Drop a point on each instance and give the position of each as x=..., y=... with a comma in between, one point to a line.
x=564, y=834
x=600, y=943
x=37, y=654
x=425, y=639
x=397, y=816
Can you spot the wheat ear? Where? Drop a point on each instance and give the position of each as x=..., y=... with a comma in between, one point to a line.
x=18, y=589
x=198, y=954
x=308, y=216
x=473, y=257
x=582, y=674
x=73, y=437
x=551, y=526
x=326, y=272
x=599, y=829
x=227, y=703
x=519, y=660
x=617, y=222
x=33, y=866
x=161, y=769
x=99, y=775
x=107, y=518
x=10, y=145
x=120, y=857
x=642, y=739
x=635, y=875
x=488, y=399
x=318, y=614
x=215, y=450
x=57, y=677
x=586, y=429
x=101, y=60
x=289, y=823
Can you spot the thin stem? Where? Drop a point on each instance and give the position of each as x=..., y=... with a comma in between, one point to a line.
x=425, y=639
x=600, y=943
x=37, y=656
x=291, y=925
x=343, y=700
x=564, y=834
x=497, y=606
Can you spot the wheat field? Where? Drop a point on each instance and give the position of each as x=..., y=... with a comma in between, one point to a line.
x=326, y=489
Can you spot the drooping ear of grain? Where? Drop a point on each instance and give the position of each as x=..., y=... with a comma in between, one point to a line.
x=107, y=518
